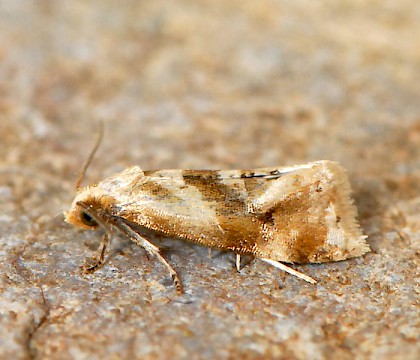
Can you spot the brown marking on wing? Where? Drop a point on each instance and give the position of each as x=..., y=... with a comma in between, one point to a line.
x=154, y=188
x=293, y=232
x=239, y=228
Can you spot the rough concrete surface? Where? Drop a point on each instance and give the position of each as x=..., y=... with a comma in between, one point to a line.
x=206, y=84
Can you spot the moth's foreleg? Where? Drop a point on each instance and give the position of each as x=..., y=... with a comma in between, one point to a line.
x=98, y=261
x=152, y=250
x=289, y=270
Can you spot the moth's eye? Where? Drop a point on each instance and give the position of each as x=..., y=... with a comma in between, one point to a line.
x=87, y=219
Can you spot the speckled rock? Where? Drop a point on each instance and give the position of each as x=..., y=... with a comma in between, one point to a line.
x=206, y=84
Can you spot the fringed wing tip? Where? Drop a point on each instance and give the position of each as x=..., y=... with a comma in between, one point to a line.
x=355, y=244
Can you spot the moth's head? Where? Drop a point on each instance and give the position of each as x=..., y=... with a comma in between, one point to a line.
x=85, y=209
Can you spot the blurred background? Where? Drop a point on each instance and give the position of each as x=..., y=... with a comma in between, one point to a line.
x=208, y=84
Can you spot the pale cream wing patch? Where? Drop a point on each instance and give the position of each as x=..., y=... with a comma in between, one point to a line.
x=166, y=193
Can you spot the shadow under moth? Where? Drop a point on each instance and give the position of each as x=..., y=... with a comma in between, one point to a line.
x=297, y=214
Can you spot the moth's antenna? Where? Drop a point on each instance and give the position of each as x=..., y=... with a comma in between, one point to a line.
x=99, y=137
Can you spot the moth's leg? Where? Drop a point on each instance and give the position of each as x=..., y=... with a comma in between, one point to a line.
x=289, y=270
x=238, y=262
x=98, y=261
x=152, y=250
x=209, y=253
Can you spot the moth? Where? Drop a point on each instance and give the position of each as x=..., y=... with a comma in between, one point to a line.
x=297, y=214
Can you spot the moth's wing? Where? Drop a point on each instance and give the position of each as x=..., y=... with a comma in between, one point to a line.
x=264, y=189
x=230, y=204
x=200, y=198
x=309, y=213
x=252, y=191
x=259, y=190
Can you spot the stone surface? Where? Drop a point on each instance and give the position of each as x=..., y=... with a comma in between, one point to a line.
x=206, y=84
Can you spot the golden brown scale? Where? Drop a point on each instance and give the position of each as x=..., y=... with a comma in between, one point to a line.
x=291, y=216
